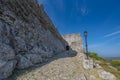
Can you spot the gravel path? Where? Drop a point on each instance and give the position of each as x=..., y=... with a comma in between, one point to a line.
x=61, y=67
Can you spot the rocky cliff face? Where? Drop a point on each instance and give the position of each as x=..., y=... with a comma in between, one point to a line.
x=66, y=66
x=27, y=35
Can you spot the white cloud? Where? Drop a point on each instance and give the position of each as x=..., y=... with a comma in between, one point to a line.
x=112, y=34
x=104, y=43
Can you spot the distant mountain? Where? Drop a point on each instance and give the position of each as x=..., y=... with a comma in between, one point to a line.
x=113, y=58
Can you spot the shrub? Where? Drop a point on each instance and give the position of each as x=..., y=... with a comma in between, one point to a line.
x=115, y=63
x=95, y=56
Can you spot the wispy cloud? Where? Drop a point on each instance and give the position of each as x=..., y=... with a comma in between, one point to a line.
x=112, y=34
x=80, y=6
x=84, y=8
x=105, y=42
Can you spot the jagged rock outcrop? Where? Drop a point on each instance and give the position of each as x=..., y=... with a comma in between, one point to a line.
x=27, y=35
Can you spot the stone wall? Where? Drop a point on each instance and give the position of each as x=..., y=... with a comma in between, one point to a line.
x=74, y=41
x=27, y=35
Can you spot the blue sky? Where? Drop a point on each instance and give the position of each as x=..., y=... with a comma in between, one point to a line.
x=101, y=18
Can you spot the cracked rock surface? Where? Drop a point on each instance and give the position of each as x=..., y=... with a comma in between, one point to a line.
x=27, y=35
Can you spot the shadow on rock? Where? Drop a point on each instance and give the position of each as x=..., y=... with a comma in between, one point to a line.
x=20, y=72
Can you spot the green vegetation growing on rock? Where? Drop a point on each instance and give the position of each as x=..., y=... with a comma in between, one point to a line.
x=95, y=56
x=115, y=63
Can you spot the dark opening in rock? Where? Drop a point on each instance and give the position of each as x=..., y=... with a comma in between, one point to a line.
x=67, y=47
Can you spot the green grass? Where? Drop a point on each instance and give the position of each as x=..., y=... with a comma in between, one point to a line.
x=115, y=63
x=95, y=56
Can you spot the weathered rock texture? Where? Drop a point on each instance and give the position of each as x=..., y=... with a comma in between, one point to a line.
x=74, y=41
x=106, y=75
x=63, y=66
x=27, y=35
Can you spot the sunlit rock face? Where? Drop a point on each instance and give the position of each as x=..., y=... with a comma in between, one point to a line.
x=74, y=41
x=26, y=35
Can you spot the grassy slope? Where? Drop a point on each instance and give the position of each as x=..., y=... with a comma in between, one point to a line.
x=113, y=71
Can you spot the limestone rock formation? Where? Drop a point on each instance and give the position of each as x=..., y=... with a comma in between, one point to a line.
x=27, y=35
x=106, y=75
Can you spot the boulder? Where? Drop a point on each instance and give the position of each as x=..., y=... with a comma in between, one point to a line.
x=2, y=63
x=7, y=69
x=23, y=62
x=106, y=75
x=34, y=58
x=6, y=52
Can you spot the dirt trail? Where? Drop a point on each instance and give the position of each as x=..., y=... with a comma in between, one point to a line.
x=60, y=67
